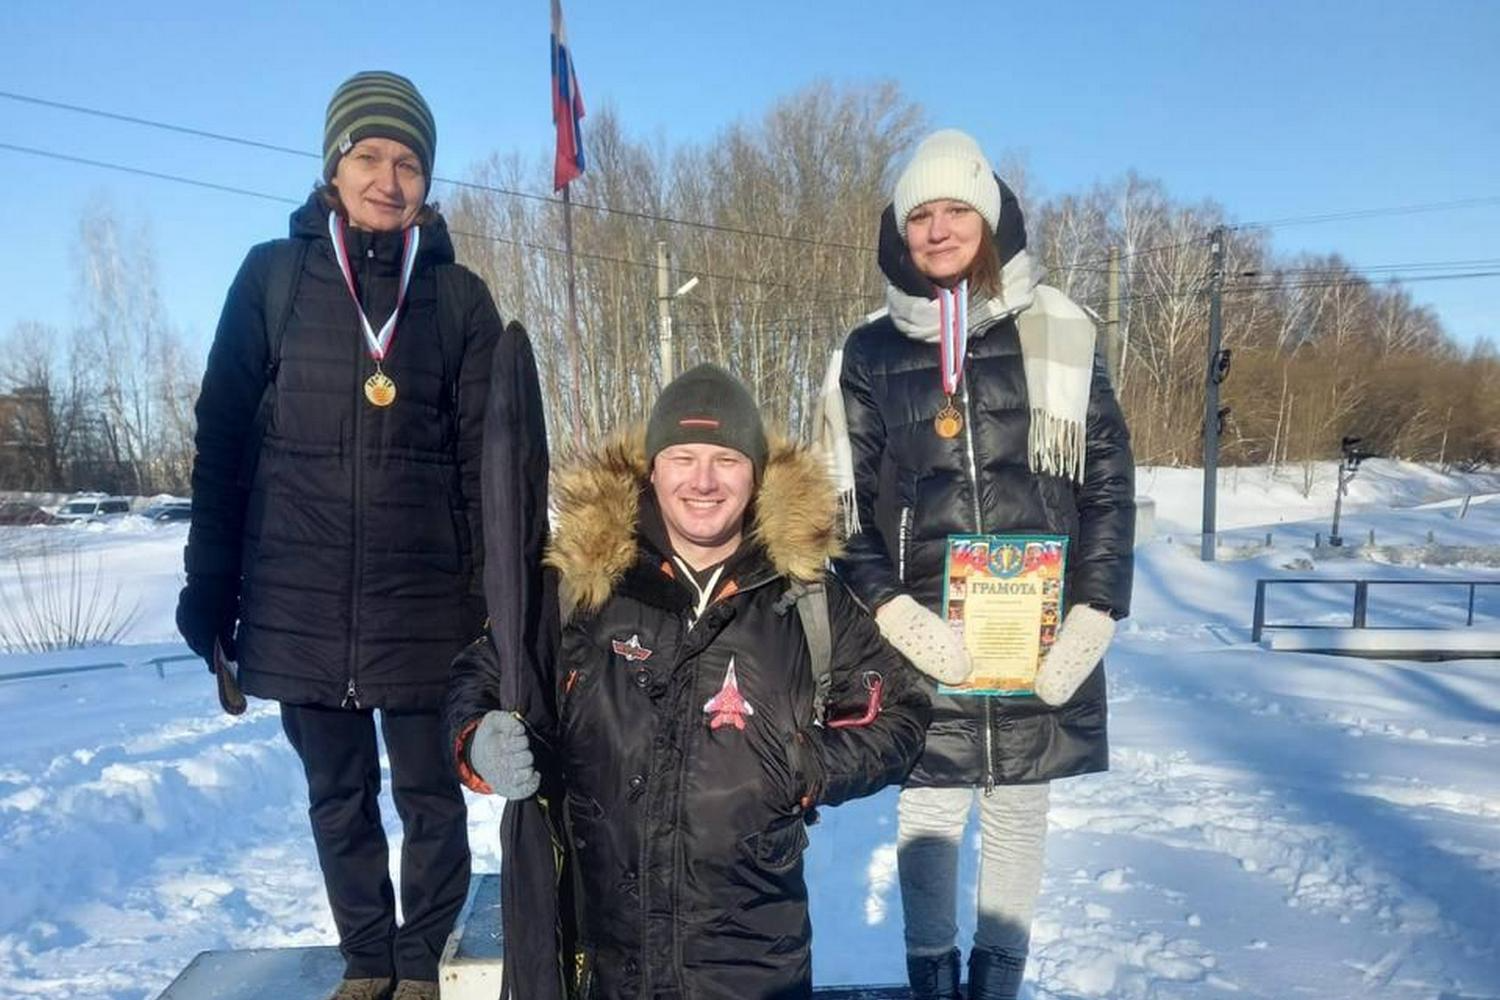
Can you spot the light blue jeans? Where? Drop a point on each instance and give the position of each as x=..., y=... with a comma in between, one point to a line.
x=1013, y=833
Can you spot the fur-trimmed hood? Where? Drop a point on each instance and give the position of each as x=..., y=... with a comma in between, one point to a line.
x=598, y=499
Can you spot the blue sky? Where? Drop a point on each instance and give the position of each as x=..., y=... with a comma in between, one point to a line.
x=1276, y=108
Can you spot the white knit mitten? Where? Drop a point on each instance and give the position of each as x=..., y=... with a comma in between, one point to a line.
x=924, y=639
x=1081, y=641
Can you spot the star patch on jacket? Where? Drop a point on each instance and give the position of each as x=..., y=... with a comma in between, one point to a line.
x=728, y=707
x=631, y=650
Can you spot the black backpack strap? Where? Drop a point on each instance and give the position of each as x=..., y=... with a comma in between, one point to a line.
x=452, y=296
x=288, y=259
x=811, y=601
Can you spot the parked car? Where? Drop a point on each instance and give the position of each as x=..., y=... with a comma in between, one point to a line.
x=23, y=512
x=169, y=510
x=92, y=507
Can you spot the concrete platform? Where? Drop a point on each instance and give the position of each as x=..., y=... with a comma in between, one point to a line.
x=470, y=968
x=1389, y=643
x=474, y=960
x=259, y=974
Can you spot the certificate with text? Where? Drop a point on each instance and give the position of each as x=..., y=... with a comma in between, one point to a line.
x=1003, y=595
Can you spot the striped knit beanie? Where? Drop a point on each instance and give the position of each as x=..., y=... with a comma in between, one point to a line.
x=376, y=104
x=948, y=164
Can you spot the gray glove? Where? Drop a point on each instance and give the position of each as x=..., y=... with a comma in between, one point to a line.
x=924, y=639
x=500, y=753
x=1081, y=641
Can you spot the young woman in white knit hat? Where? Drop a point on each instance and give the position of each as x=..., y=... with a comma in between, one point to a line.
x=975, y=404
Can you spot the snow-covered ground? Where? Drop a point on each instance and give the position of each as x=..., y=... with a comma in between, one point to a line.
x=1274, y=825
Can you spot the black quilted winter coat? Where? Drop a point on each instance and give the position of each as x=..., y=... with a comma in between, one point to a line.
x=352, y=532
x=687, y=829
x=914, y=489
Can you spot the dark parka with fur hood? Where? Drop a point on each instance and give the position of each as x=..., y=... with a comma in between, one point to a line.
x=689, y=837
x=914, y=489
x=344, y=537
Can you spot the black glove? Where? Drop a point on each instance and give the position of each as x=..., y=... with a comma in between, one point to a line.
x=207, y=609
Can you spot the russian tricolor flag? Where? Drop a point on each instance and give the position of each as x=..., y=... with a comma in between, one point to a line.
x=567, y=106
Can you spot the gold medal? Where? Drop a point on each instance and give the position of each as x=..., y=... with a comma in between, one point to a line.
x=948, y=421
x=380, y=390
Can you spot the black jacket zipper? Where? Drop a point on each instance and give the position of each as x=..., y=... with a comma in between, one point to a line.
x=971, y=448
x=357, y=556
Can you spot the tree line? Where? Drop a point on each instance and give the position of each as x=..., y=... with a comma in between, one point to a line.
x=107, y=405
x=777, y=218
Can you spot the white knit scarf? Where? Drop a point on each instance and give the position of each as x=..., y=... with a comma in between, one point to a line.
x=1057, y=348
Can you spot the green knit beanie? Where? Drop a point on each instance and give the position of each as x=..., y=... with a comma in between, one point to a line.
x=381, y=105
x=707, y=405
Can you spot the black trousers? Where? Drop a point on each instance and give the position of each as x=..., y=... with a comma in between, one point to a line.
x=342, y=763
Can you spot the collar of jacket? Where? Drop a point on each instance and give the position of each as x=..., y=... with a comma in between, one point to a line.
x=310, y=222
x=598, y=504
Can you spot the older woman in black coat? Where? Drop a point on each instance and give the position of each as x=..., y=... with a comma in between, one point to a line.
x=335, y=558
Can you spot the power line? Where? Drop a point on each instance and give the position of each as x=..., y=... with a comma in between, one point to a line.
x=158, y=175
x=644, y=216
x=1310, y=284
x=453, y=182
x=266, y=196
x=1310, y=281
x=1089, y=266
x=1403, y=279
x=1369, y=269
x=1370, y=213
x=509, y=192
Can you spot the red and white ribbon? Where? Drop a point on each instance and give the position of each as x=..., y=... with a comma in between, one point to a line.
x=379, y=343
x=953, y=333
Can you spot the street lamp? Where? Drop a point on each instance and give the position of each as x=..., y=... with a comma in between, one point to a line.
x=1352, y=455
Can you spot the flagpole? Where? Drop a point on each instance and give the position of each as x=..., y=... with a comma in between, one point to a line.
x=573, y=320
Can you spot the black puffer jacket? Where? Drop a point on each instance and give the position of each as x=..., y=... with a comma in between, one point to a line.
x=914, y=489
x=352, y=532
x=689, y=836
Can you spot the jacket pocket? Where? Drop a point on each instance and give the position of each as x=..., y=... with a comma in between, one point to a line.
x=778, y=848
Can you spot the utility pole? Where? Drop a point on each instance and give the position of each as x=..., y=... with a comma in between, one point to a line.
x=1113, y=345
x=664, y=310
x=1213, y=374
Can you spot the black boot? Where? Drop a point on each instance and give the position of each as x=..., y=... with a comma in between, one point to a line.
x=934, y=977
x=995, y=975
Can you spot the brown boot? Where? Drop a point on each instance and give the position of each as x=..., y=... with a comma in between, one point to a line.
x=416, y=989
x=362, y=989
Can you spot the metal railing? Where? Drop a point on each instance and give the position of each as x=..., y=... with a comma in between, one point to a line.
x=1361, y=607
x=159, y=662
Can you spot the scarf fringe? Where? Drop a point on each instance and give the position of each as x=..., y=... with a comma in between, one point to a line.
x=849, y=508
x=1056, y=446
